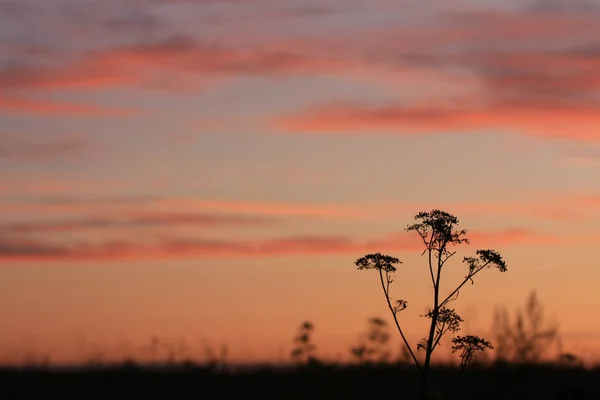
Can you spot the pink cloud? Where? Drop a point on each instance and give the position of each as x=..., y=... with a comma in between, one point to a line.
x=81, y=74
x=158, y=206
x=587, y=156
x=513, y=236
x=135, y=219
x=265, y=208
x=45, y=107
x=553, y=208
x=522, y=72
x=540, y=88
x=557, y=122
x=47, y=185
x=590, y=200
x=24, y=147
x=173, y=248
x=139, y=64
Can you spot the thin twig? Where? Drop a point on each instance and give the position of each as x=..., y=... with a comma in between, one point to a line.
x=469, y=277
x=387, y=297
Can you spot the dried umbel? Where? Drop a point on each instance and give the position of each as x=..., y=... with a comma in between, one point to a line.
x=439, y=234
x=378, y=261
x=468, y=346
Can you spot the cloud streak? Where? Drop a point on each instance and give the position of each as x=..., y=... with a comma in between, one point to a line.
x=141, y=64
x=145, y=220
x=547, y=83
x=26, y=147
x=158, y=204
x=556, y=122
x=29, y=106
x=553, y=208
x=533, y=70
x=178, y=248
x=43, y=185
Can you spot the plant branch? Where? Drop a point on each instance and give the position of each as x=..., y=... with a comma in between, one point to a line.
x=439, y=337
x=468, y=278
x=387, y=298
x=448, y=257
x=431, y=267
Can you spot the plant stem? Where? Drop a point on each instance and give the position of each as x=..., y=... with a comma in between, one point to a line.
x=434, y=317
x=389, y=303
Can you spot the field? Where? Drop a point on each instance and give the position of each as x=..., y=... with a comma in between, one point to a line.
x=305, y=382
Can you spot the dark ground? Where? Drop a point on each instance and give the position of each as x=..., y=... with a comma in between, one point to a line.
x=315, y=382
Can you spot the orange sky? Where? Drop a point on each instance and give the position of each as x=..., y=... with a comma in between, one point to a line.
x=207, y=172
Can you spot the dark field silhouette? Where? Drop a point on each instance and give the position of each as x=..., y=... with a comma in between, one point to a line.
x=315, y=381
x=518, y=371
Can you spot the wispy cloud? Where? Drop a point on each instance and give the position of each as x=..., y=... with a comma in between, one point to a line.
x=552, y=208
x=448, y=118
x=45, y=147
x=521, y=70
x=267, y=208
x=145, y=220
x=153, y=204
x=40, y=185
x=546, y=85
x=141, y=65
x=181, y=248
x=45, y=107
x=590, y=200
x=587, y=156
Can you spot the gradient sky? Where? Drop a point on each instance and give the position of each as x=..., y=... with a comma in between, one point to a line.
x=207, y=171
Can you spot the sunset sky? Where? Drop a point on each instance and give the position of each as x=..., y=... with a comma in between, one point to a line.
x=208, y=171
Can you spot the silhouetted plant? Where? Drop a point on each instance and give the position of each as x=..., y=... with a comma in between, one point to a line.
x=528, y=338
x=374, y=344
x=468, y=346
x=34, y=360
x=447, y=321
x=404, y=356
x=305, y=349
x=437, y=232
x=216, y=361
x=570, y=360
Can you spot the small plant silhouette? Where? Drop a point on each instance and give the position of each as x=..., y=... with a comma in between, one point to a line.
x=528, y=337
x=216, y=362
x=437, y=231
x=304, y=351
x=468, y=346
x=374, y=344
x=570, y=360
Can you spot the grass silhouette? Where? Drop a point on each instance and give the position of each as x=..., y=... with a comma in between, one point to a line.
x=307, y=381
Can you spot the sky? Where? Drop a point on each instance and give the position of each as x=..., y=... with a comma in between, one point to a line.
x=206, y=172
